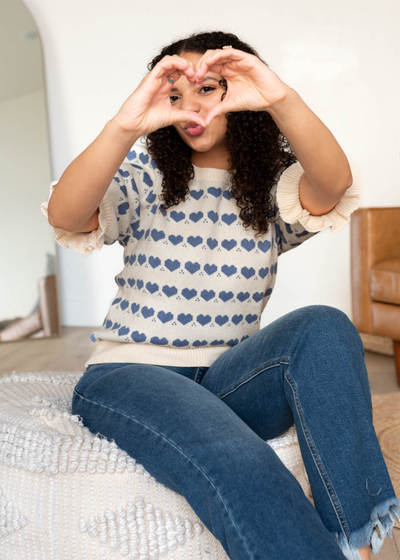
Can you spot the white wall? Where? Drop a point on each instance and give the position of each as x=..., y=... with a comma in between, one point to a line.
x=341, y=57
x=24, y=174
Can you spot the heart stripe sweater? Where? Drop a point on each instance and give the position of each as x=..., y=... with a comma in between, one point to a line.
x=195, y=281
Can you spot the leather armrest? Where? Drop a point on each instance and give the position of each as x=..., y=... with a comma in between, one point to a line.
x=375, y=235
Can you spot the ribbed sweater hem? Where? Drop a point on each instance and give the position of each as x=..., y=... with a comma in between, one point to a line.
x=121, y=352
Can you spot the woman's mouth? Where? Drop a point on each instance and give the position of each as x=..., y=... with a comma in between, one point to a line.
x=194, y=129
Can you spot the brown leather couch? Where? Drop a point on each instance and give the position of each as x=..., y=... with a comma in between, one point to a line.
x=375, y=274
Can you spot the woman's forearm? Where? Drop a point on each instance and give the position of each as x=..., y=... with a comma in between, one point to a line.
x=83, y=184
x=317, y=150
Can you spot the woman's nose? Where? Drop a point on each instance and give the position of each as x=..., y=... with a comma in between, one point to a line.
x=190, y=102
x=191, y=106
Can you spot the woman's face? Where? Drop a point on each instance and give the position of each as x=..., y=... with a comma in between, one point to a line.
x=188, y=96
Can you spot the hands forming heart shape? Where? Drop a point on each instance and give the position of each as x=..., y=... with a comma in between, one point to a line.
x=251, y=84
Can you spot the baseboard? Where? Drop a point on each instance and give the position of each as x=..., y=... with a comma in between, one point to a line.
x=379, y=344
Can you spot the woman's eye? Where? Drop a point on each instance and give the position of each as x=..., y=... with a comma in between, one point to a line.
x=204, y=87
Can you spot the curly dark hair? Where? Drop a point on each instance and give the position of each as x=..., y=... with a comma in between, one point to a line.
x=258, y=150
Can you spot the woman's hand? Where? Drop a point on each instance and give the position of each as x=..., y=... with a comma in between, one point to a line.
x=252, y=85
x=149, y=107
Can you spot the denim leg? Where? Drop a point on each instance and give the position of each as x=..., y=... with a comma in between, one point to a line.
x=308, y=368
x=196, y=445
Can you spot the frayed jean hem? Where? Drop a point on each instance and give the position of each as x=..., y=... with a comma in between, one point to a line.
x=383, y=518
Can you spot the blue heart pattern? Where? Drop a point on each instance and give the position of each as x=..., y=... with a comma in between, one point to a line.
x=135, y=193
x=206, y=295
x=286, y=243
x=132, y=233
x=195, y=267
x=184, y=319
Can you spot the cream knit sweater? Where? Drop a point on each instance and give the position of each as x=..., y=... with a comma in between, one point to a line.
x=195, y=281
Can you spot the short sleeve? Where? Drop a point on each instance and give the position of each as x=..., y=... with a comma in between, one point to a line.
x=84, y=242
x=295, y=224
x=119, y=211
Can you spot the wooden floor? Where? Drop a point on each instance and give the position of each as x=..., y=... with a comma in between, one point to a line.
x=70, y=351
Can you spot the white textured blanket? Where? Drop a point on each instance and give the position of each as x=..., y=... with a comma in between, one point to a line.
x=66, y=494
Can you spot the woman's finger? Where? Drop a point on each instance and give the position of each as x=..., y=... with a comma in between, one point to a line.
x=174, y=75
x=173, y=66
x=216, y=111
x=189, y=72
x=219, y=57
x=199, y=62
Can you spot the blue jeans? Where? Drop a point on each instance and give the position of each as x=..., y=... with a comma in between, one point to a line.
x=201, y=432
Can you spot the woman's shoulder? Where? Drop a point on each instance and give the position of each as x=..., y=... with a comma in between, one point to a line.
x=138, y=170
x=139, y=159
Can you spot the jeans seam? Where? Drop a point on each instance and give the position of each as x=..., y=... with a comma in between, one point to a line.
x=179, y=450
x=250, y=376
x=196, y=374
x=325, y=480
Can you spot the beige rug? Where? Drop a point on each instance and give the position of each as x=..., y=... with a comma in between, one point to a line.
x=386, y=420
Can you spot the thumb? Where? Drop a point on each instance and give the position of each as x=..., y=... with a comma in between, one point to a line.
x=189, y=116
x=215, y=112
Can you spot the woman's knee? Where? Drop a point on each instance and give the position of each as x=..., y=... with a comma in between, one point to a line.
x=325, y=320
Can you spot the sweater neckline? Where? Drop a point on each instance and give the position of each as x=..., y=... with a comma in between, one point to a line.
x=211, y=174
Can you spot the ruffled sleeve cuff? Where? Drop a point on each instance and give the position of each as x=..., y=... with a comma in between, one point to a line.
x=86, y=242
x=291, y=210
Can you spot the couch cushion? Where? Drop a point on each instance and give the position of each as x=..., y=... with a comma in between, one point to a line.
x=385, y=282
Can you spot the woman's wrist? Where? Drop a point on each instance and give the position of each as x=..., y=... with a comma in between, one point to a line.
x=122, y=135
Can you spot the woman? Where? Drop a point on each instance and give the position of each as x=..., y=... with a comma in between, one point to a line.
x=190, y=386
